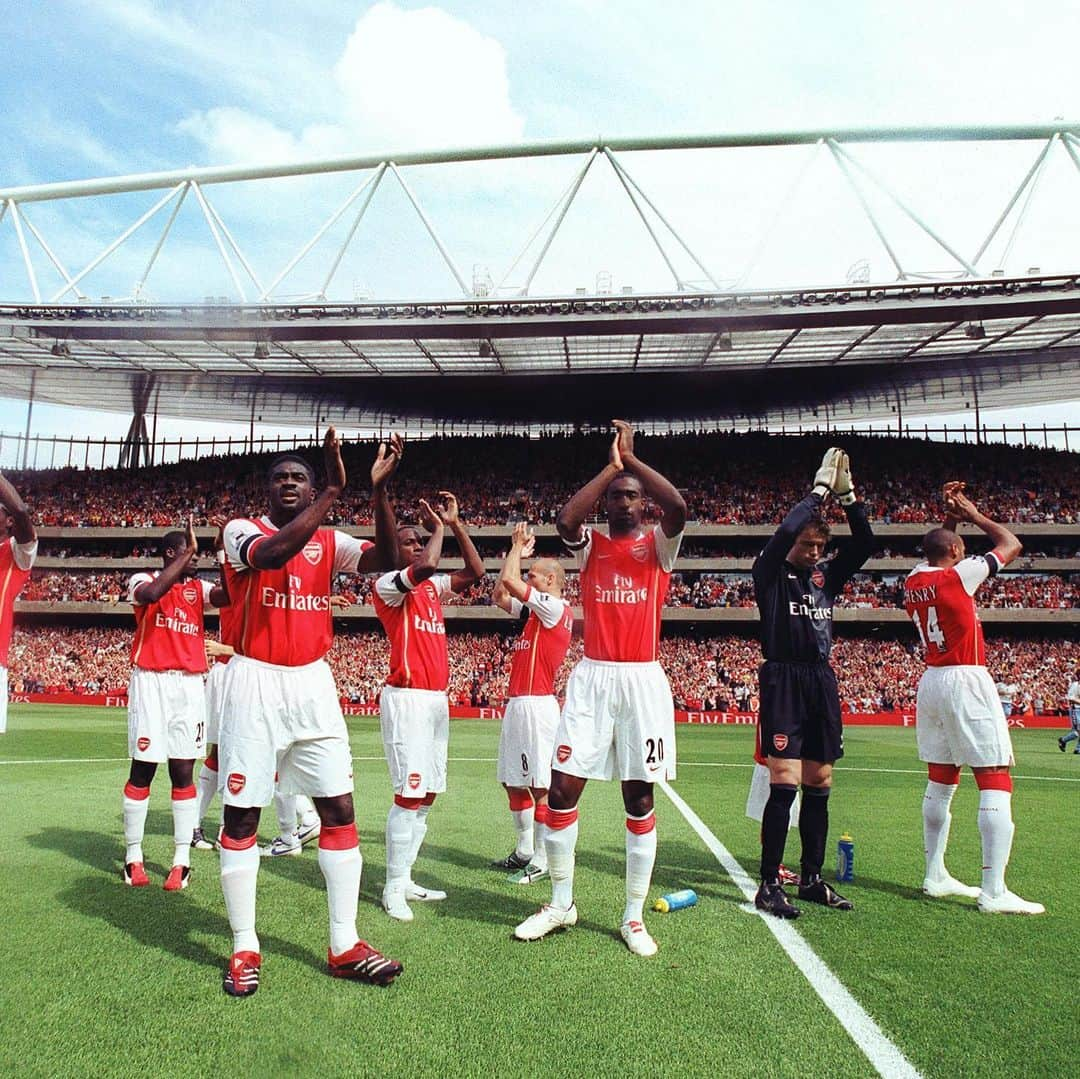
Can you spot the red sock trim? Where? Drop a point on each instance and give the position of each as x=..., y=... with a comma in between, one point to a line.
x=541, y=814
x=182, y=794
x=211, y=763
x=949, y=774
x=228, y=843
x=994, y=781
x=428, y=799
x=641, y=825
x=520, y=800
x=341, y=837
x=558, y=819
x=136, y=794
x=408, y=803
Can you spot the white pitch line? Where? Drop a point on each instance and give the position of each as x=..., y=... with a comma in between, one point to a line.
x=881, y=771
x=886, y=1058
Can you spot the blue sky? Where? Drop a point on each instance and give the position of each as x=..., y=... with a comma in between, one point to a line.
x=105, y=87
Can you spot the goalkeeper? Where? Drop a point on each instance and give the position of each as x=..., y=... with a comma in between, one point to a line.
x=801, y=733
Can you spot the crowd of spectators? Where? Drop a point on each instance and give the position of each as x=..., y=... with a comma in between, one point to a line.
x=718, y=672
x=726, y=478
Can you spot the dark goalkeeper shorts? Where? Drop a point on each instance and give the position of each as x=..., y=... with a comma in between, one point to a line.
x=800, y=712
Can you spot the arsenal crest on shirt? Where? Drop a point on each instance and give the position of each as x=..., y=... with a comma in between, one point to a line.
x=818, y=578
x=190, y=594
x=313, y=552
x=640, y=551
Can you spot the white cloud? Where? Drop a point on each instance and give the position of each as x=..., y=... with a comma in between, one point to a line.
x=404, y=80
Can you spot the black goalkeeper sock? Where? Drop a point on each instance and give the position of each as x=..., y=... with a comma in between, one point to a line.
x=774, y=829
x=813, y=830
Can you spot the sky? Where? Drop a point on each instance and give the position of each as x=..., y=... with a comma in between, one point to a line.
x=114, y=87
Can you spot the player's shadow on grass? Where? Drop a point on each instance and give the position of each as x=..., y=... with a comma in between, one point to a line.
x=168, y=921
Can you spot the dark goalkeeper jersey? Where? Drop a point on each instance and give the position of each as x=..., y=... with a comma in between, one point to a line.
x=796, y=605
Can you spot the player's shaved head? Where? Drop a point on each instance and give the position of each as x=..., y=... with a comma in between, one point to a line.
x=173, y=541
x=290, y=459
x=938, y=543
x=551, y=566
x=621, y=477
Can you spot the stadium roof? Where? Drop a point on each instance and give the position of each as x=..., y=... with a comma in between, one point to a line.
x=851, y=353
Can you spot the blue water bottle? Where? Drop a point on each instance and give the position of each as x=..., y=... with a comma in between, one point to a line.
x=676, y=900
x=845, y=858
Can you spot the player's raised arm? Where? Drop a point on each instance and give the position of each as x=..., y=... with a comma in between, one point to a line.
x=18, y=511
x=384, y=555
x=1006, y=545
x=522, y=543
x=948, y=496
x=219, y=594
x=178, y=561
x=474, y=564
x=572, y=515
x=428, y=562
x=289, y=478
x=855, y=551
x=768, y=563
x=660, y=489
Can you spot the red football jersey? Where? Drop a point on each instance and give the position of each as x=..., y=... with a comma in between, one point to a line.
x=941, y=603
x=169, y=633
x=12, y=579
x=623, y=586
x=413, y=619
x=541, y=648
x=282, y=616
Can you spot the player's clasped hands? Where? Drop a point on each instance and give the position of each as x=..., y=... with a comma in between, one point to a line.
x=387, y=459
x=523, y=539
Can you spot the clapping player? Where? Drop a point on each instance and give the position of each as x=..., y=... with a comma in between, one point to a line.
x=801, y=730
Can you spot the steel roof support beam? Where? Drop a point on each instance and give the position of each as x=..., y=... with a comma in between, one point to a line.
x=17, y=222
x=233, y=244
x=352, y=229
x=532, y=239
x=901, y=205
x=465, y=290
x=141, y=283
x=574, y=189
x=1035, y=169
x=218, y=240
x=323, y=229
x=94, y=263
x=842, y=165
x=626, y=178
x=679, y=283
x=48, y=251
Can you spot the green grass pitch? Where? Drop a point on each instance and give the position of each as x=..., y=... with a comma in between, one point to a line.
x=98, y=979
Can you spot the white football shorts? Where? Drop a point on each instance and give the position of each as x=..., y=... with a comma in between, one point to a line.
x=527, y=740
x=215, y=700
x=416, y=735
x=166, y=715
x=3, y=700
x=958, y=718
x=285, y=721
x=759, y=795
x=618, y=723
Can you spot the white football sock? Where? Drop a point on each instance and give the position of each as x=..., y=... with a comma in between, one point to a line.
x=400, y=829
x=996, y=829
x=285, y=805
x=539, y=854
x=560, y=844
x=937, y=819
x=207, y=786
x=185, y=818
x=135, y=810
x=341, y=869
x=306, y=810
x=523, y=822
x=419, y=833
x=640, y=858
x=239, y=881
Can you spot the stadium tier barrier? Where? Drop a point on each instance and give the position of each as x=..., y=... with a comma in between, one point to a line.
x=457, y=711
